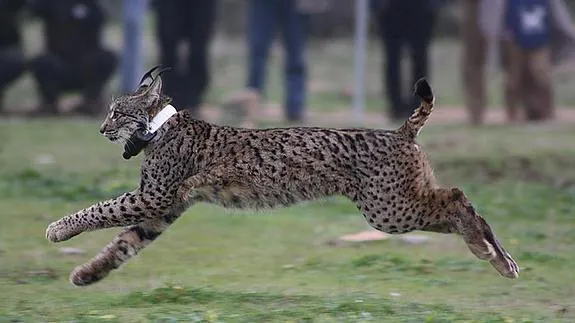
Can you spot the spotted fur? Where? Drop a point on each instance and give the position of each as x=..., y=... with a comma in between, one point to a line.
x=384, y=172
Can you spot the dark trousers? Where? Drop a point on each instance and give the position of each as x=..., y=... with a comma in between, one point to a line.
x=473, y=61
x=89, y=74
x=405, y=24
x=264, y=16
x=528, y=82
x=190, y=21
x=12, y=65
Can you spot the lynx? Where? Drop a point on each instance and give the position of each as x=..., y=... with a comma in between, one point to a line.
x=187, y=161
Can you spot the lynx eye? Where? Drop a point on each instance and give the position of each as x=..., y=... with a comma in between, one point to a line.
x=113, y=116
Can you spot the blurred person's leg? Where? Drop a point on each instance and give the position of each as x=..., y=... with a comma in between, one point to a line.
x=134, y=13
x=514, y=65
x=51, y=75
x=242, y=106
x=262, y=15
x=392, y=36
x=294, y=30
x=12, y=65
x=419, y=35
x=474, y=59
x=200, y=29
x=539, y=106
x=95, y=72
x=169, y=29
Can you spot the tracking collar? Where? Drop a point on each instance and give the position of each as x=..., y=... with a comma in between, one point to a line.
x=142, y=136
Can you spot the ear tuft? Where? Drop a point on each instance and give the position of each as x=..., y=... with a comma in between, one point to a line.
x=149, y=78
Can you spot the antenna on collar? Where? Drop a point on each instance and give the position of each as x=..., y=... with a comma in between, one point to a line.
x=138, y=141
x=141, y=137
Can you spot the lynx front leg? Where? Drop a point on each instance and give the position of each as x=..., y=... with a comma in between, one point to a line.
x=125, y=245
x=127, y=209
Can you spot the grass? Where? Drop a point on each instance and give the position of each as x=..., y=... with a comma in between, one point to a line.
x=217, y=266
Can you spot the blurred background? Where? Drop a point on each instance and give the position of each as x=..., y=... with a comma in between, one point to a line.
x=301, y=59
x=503, y=72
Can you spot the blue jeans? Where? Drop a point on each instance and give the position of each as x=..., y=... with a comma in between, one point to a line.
x=191, y=22
x=132, y=61
x=262, y=20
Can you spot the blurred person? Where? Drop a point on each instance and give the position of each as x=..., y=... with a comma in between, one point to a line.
x=188, y=22
x=74, y=57
x=404, y=24
x=527, y=60
x=476, y=17
x=12, y=62
x=264, y=18
x=493, y=30
x=131, y=64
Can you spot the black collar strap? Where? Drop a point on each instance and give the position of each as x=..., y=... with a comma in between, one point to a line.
x=141, y=137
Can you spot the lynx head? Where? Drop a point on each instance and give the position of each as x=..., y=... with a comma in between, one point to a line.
x=134, y=111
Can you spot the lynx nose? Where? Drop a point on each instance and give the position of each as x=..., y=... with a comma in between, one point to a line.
x=103, y=128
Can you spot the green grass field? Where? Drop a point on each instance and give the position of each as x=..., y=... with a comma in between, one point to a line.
x=219, y=266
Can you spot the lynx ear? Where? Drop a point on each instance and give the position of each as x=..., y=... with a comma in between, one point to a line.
x=155, y=89
x=148, y=78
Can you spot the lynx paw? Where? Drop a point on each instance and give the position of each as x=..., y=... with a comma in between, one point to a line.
x=58, y=231
x=497, y=256
x=505, y=265
x=85, y=275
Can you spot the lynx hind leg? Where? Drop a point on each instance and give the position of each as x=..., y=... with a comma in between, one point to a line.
x=125, y=245
x=478, y=235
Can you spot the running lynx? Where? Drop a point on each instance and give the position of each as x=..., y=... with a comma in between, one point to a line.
x=187, y=161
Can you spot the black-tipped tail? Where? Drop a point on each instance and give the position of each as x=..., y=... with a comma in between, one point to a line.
x=417, y=120
x=423, y=90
